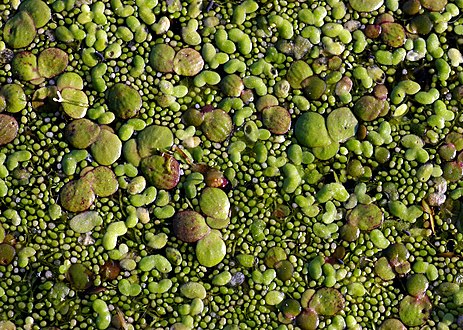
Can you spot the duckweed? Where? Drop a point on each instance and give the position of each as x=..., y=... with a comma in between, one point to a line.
x=231, y=165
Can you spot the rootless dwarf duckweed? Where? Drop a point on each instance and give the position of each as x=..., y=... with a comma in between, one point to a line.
x=245, y=164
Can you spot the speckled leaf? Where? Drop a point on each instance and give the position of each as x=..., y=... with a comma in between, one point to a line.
x=154, y=138
x=76, y=196
x=414, y=311
x=15, y=98
x=39, y=11
x=102, y=180
x=277, y=119
x=163, y=172
x=453, y=171
x=327, y=301
x=393, y=34
x=368, y=108
x=217, y=125
x=124, y=101
x=24, y=66
x=81, y=133
x=341, y=124
x=8, y=129
x=107, y=148
x=189, y=226
x=366, y=217
x=51, y=62
x=211, y=249
x=188, y=62
x=162, y=58
x=417, y=284
x=19, y=30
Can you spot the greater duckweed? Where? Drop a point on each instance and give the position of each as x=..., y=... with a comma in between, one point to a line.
x=231, y=165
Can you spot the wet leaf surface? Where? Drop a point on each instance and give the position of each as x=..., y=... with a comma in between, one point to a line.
x=189, y=226
x=154, y=139
x=51, y=62
x=124, y=101
x=308, y=319
x=102, y=180
x=76, y=196
x=414, y=311
x=217, y=125
x=214, y=203
x=8, y=129
x=20, y=30
x=7, y=254
x=327, y=301
x=81, y=133
x=211, y=249
x=161, y=171
x=188, y=62
x=79, y=276
x=366, y=217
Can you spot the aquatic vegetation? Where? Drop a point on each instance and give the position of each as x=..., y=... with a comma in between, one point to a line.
x=272, y=164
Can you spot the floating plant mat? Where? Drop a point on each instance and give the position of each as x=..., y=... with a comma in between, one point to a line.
x=244, y=164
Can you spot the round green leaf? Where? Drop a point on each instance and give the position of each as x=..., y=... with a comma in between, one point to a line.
x=217, y=125
x=154, y=138
x=214, y=203
x=85, y=221
x=19, y=30
x=163, y=172
x=76, y=196
x=51, y=62
x=414, y=311
x=8, y=129
x=341, y=124
x=124, y=101
x=366, y=5
x=39, y=11
x=211, y=249
x=310, y=130
x=81, y=133
x=189, y=226
x=327, y=301
x=102, y=180
x=107, y=148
